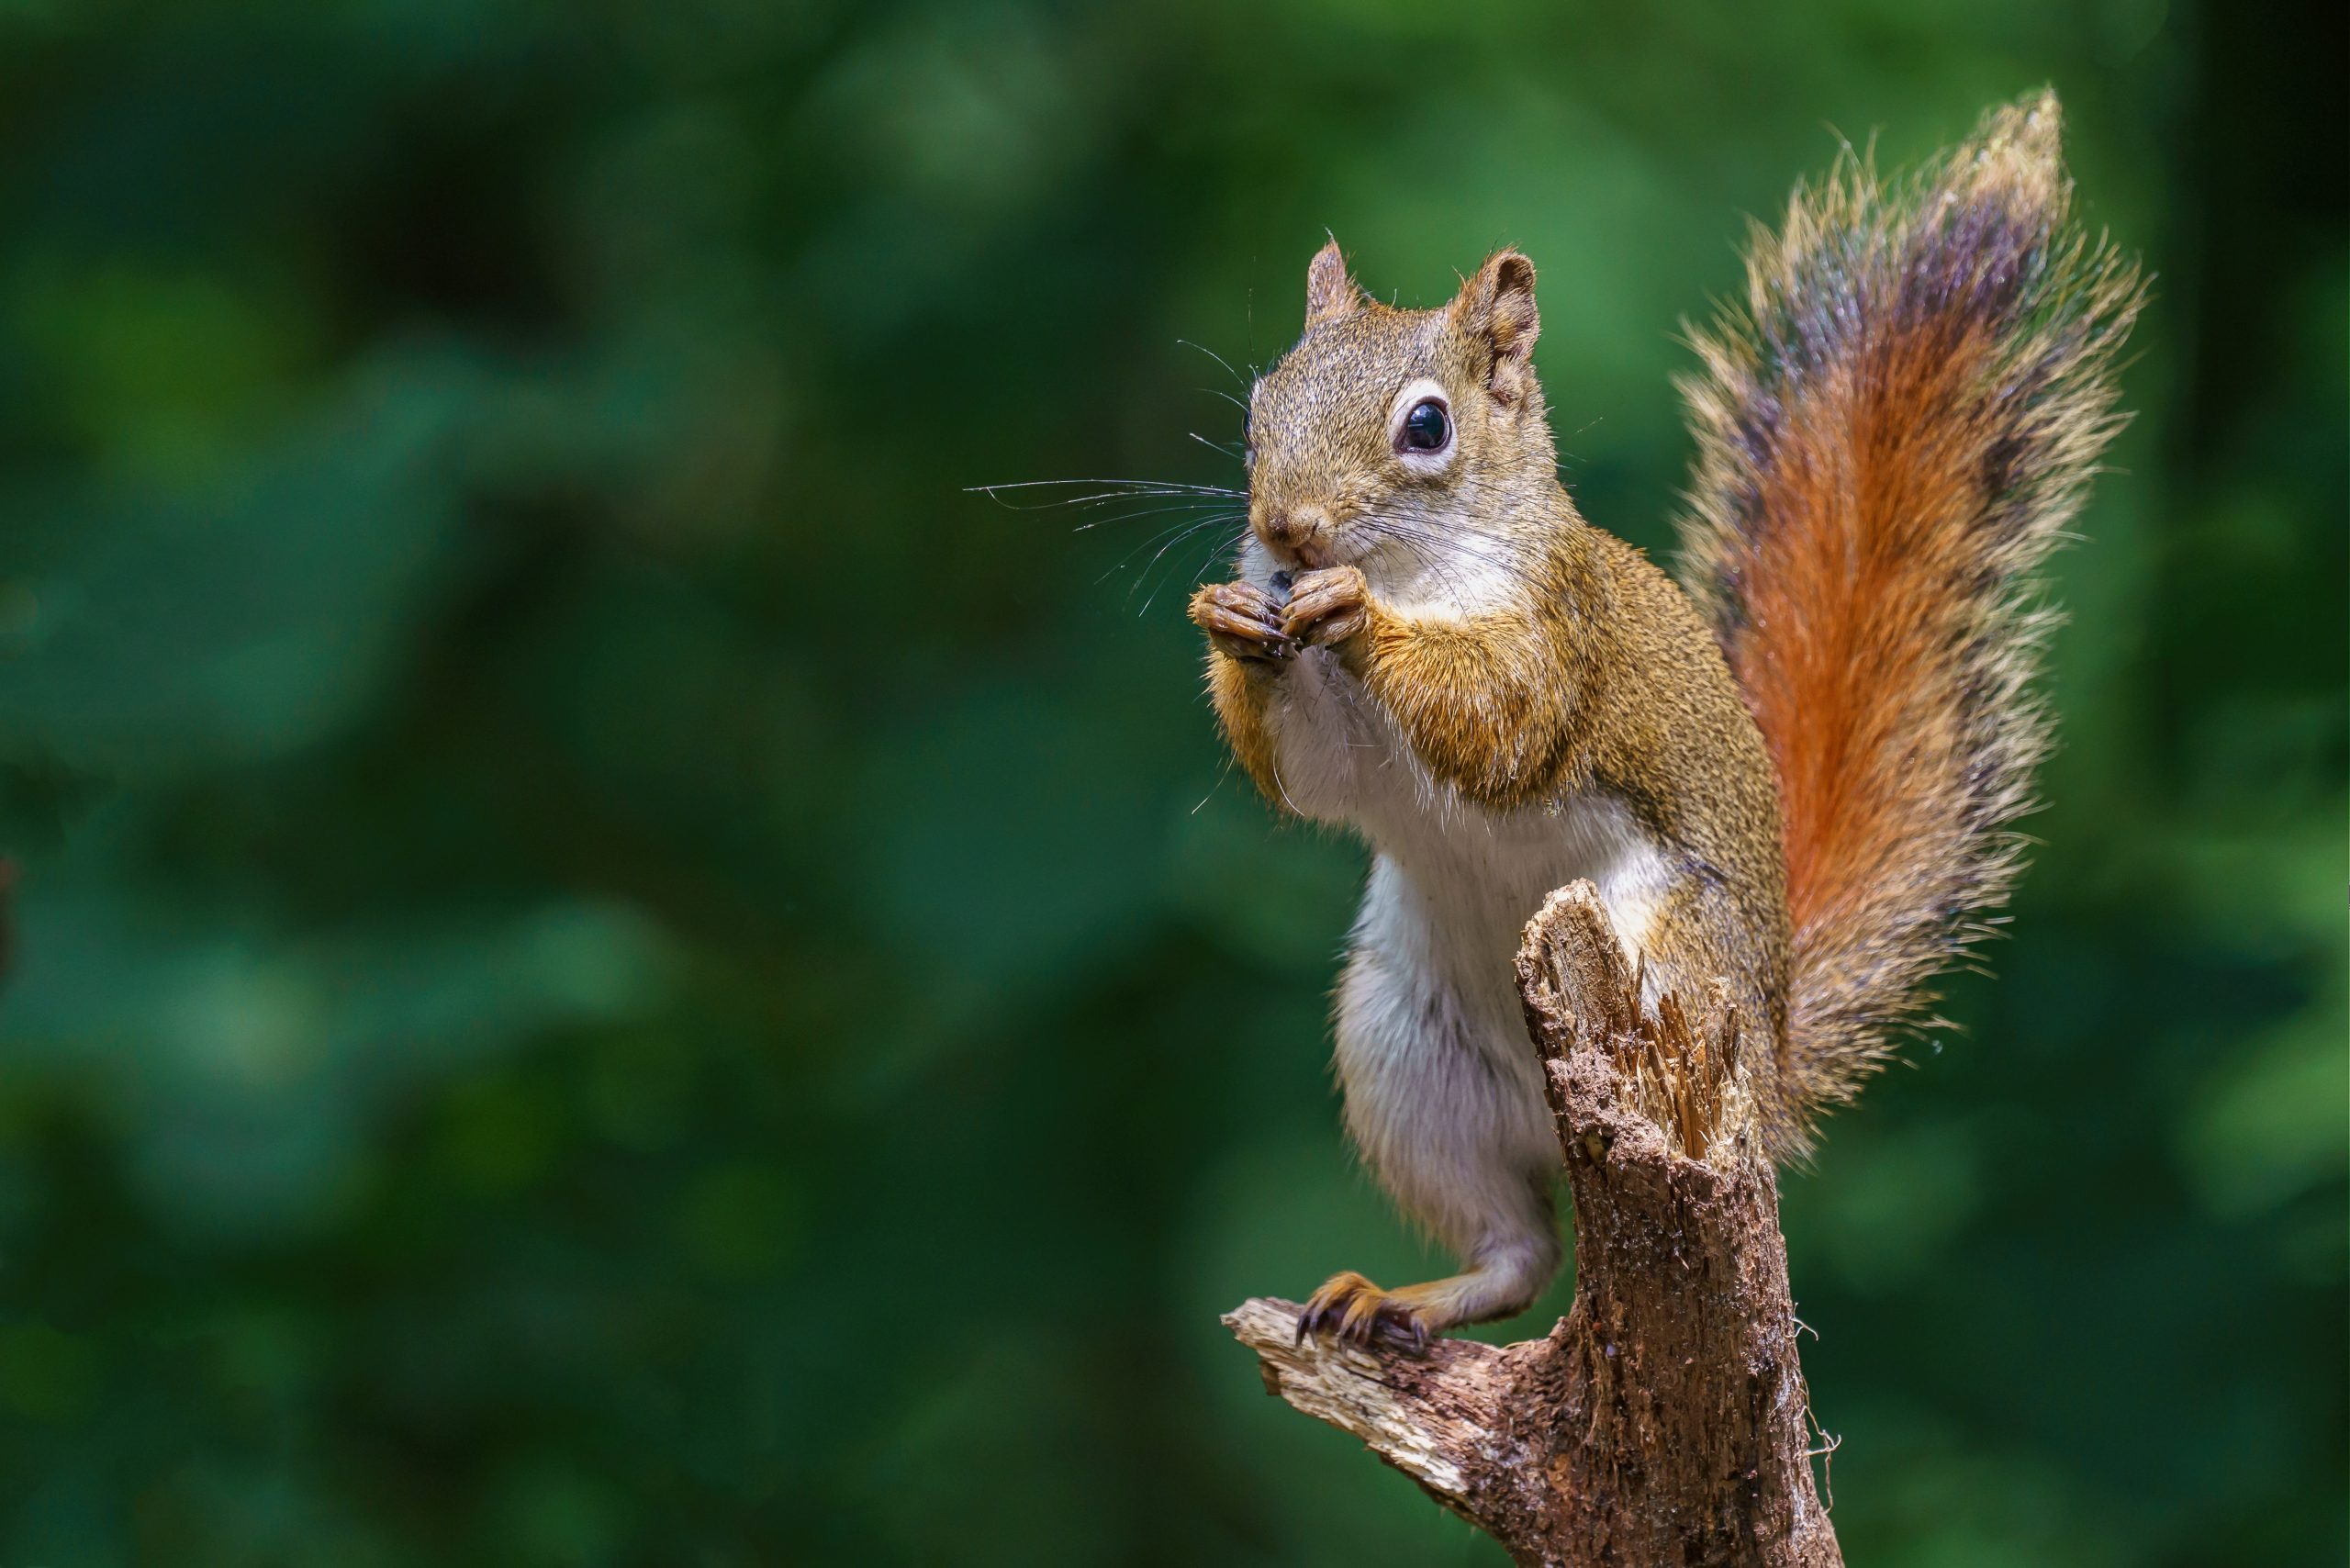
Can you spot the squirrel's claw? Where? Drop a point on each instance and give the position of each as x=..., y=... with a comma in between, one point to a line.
x=1326, y=607
x=1239, y=619
x=1359, y=1311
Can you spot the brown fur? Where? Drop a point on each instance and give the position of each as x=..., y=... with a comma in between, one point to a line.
x=1608, y=680
x=1240, y=690
x=1611, y=682
x=1893, y=430
x=1816, y=769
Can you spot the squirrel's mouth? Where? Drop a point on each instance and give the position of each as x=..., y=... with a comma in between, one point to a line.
x=1301, y=553
x=1303, y=538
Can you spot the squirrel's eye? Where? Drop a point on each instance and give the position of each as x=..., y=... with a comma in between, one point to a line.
x=1426, y=427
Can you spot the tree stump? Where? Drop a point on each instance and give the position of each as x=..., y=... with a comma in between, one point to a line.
x=1664, y=1420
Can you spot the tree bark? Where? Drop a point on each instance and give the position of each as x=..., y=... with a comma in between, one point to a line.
x=1664, y=1420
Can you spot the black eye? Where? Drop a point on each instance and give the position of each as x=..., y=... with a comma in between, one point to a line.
x=1426, y=427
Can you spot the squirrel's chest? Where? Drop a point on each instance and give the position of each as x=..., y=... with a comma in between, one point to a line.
x=1468, y=878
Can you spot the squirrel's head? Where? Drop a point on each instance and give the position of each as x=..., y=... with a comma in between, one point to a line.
x=1396, y=440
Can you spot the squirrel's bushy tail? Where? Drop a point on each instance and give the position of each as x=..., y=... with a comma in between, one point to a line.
x=1892, y=429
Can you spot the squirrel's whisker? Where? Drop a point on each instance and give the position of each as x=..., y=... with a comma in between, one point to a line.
x=1146, y=511
x=1195, y=574
x=1114, y=498
x=1187, y=531
x=1116, y=488
x=1187, y=342
x=1153, y=484
x=1173, y=534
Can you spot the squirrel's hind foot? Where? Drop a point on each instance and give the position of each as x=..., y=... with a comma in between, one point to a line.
x=1359, y=1311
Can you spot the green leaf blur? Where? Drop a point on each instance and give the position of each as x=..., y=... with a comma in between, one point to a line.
x=610, y=968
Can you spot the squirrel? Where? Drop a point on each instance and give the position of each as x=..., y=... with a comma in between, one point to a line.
x=1791, y=776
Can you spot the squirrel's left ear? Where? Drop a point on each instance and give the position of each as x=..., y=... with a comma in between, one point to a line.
x=1497, y=307
x=1329, y=292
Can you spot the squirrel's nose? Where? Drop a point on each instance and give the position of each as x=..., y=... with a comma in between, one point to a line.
x=1301, y=531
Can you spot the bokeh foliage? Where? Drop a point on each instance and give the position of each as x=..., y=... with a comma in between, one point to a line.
x=609, y=969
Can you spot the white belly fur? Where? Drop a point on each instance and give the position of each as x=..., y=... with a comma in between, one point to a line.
x=1454, y=884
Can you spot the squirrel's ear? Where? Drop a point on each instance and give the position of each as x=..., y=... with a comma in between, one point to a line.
x=1497, y=305
x=1329, y=292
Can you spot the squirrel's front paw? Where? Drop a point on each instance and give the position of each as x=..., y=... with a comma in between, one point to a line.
x=1242, y=620
x=1326, y=607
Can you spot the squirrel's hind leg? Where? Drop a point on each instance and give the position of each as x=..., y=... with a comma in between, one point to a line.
x=1358, y=1311
x=1454, y=1126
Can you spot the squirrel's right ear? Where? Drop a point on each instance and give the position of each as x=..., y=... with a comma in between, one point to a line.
x=1497, y=305
x=1329, y=292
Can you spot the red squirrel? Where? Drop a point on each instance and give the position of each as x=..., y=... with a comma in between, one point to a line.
x=1790, y=774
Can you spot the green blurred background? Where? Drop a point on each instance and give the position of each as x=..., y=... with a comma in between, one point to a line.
x=609, y=969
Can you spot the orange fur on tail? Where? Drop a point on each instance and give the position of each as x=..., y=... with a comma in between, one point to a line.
x=1892, y=429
